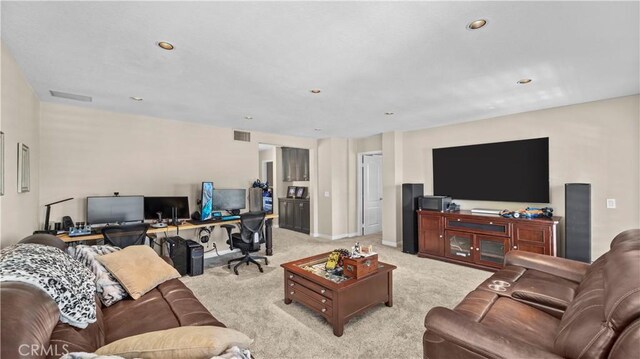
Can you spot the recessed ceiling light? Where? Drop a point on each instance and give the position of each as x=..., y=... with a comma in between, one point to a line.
x=389, y=113
x=317, y=129
x=165, y=45
x=524, y=81
x=248, y=118
x=477, y=24
x=315, y=90
x=136, y=98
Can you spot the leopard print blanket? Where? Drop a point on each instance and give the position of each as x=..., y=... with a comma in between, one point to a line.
x=69, y=283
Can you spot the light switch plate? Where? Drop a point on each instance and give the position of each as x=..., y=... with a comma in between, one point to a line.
x=326, y=193
x=611, y=203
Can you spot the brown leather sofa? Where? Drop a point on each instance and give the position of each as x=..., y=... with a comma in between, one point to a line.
x=30, y=326
x=546, y=307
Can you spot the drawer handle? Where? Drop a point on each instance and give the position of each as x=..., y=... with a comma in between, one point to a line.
x=471, y=248
x=490, y=222
x=290, y=284
x=441, y=236
x=292, y=292
x=458, y=219
x=515, y=247
x=290, y=276
x=477, y=249
x=324, y=301
x=324, y=310
x=322, y=291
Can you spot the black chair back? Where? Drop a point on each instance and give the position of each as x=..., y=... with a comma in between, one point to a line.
x=126, y=235
x=252, y=224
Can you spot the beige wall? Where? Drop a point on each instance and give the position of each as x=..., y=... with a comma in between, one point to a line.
x=19, y=122
x=88, y=152
x=595, y=143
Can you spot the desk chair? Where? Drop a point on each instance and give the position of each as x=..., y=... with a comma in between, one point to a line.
x=248, y=240
x=126, y=235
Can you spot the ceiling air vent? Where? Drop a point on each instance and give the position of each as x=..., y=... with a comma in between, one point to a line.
x=242, y=136
x=70, y=96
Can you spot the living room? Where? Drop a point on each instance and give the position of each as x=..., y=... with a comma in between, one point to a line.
x=159, y=91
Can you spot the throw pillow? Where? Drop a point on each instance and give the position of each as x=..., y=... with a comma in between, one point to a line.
x=108, y=288
x=183, y=342
x=138, y=269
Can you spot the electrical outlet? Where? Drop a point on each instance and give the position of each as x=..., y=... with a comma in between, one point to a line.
x=326, y=193
x=611, y=203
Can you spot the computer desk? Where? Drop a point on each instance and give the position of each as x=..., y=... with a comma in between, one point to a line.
x=267, y=231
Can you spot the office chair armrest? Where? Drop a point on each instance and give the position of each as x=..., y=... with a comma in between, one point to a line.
x=229, y=228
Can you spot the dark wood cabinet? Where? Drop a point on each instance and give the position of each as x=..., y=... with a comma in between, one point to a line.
x=295, y=164
x=295, y=214
x=431, y=234
x=482, y=241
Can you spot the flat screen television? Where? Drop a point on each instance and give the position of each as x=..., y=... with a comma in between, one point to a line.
x=229, y=199
x=110, y=210
x=153, y=205
x=513, y=171
x=206, y=212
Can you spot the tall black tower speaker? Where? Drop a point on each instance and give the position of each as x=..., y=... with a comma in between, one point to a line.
x=410, y=194
x=577, y=220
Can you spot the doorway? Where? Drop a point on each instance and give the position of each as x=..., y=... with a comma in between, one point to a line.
x=370, y=192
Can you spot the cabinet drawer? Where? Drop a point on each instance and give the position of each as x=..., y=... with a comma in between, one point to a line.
x=296, y=287
x=310, y=285
x=494, y=227
x=303, y=297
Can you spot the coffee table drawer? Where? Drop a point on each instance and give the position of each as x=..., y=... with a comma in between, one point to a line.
x=309, y=284
x=310, y=293
x=299, y=295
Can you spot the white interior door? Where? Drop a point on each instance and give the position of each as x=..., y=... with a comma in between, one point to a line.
x=372, y=194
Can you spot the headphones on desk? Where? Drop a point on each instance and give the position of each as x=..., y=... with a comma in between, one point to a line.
x=204, y=234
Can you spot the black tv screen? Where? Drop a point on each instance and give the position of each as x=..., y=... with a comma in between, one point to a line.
x=513, y=171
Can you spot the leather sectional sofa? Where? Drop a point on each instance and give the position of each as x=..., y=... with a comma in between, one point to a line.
x=30, y=318
x=547, y=307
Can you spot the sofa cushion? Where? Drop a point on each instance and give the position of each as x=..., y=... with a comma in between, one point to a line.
x=138, y=268
x=178, y=343
x=476, y=304
x=517, y=320
x=554, y=294
x=66, y=338
x=170, y=305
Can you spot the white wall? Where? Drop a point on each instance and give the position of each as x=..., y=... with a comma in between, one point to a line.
x=19, y=122
x=595, y=143
x=88, y=152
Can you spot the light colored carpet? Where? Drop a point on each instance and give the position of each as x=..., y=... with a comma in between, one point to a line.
x=253, y=302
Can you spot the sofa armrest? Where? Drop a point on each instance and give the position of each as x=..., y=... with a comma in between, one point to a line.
x=477, y=338
x=560, y=267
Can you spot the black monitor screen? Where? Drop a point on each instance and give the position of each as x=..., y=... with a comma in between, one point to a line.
x=122, y=209
x=514, y=171
x=228, y=199
x=153, y=205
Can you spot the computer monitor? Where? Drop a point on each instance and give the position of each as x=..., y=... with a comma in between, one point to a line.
x=120, y=209
x=153, y=205
x=229, y=199
x=206, y=212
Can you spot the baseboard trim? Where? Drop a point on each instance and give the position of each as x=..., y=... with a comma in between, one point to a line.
x=390, y=244
x=334, y=237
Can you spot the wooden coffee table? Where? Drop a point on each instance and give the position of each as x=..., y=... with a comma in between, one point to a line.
x=336, y=302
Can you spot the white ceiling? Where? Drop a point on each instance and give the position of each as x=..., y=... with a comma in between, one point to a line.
x=415, y=59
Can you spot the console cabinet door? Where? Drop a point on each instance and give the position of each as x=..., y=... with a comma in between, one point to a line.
x=288, y=164
x=532, y=238
x=490, y=251
x=459, y=246
x=305, y=214
x=430, y=238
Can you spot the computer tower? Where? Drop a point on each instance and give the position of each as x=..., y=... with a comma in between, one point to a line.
x=177, y=248
x=577, y=221
x=410, y=194
x=195, y=258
